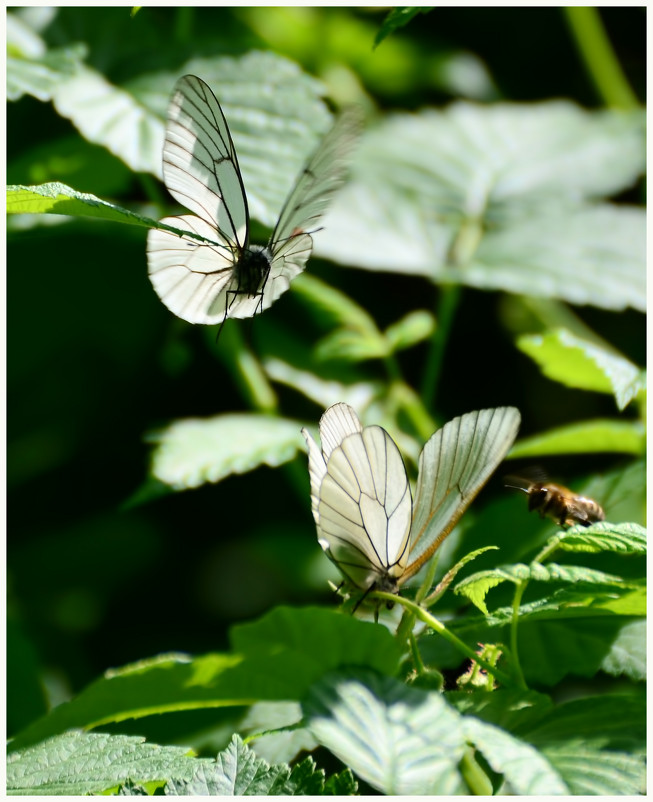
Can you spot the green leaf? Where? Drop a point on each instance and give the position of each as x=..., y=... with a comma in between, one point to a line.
x=410, y=330
x=596, y=743
x=341, y=784
x=448, y=578
x=77, y=763
x=579, y=647
x=322, y=391
x=351, y=346
x=505, y=209
x=193, y=451
x=608, y=721
x=586, y=745
x=336, y=305
x=314, y=639
x=589, y=772
x=476, y=586
x=396, y=19
x=627, y=437
x=625, y=538
x=237, y=771
x=627, y=655
x=274, y=133
x=509, y=708
x=32, y=69
x=282, y=740
x=525, y=770
x=275, y=658
x=400, y=740
x=56, y=198
x=567, y=358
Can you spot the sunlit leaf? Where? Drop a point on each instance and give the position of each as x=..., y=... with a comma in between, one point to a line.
x=77, y=763
x=32, y=69
x=569, y=359
x=410, y=330
x=396, y=19
x=500, y=197
x=193, y=451
x=398, y=739
x=626, y=437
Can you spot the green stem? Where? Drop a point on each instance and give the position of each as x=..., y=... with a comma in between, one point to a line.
x=514, y=624
x=183, y=28
x=477, y=780
x=600, y=60
x=417, y=657
x=406, y=399
x=405, y=628
x=447, y=305
x=244, y=367
x=440, y=628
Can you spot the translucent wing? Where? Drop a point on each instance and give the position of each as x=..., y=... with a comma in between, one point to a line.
x=290, y=245
x=337, y=422
x=191, y=278
x=361, y=499
x=321, y=177
x=454, y=465
x=200, y=167
x=203, y=282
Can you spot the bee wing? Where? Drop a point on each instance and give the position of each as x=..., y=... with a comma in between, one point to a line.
x=454, y=465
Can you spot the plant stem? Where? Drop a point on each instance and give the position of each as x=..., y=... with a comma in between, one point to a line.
x=447, y=305
x=600, y=60
x=245, y=368
x=440, y=628
x=477, y=780
x=406, y=399
x=417, y=657
x=514, y=647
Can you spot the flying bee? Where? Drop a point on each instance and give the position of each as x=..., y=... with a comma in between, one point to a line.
x=557, y=502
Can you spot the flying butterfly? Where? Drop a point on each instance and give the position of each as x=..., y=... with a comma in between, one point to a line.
x=213, y=272
x=557, y=502
x=361, y=499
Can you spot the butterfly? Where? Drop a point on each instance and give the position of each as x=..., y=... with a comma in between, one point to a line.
x=361, y=498
x=213, y=272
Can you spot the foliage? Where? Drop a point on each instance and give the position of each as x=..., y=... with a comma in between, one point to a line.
x=479, y=255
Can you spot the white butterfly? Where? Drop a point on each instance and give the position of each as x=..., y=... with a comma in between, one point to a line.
x=206, y=282
x=360, y=495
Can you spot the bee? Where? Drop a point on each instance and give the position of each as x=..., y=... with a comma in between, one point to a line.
x=557, y=502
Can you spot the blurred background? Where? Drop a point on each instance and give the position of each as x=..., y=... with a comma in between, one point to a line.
x=96, y=362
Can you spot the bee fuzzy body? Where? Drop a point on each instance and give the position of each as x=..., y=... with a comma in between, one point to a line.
x=559, y=503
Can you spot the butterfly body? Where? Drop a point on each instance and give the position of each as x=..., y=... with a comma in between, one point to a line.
x=211, y=272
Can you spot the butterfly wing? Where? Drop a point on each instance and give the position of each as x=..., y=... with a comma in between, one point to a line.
x=361, y=498
x=200, y=167
x=290, y=245
x=195, y=280
x=454, y=465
